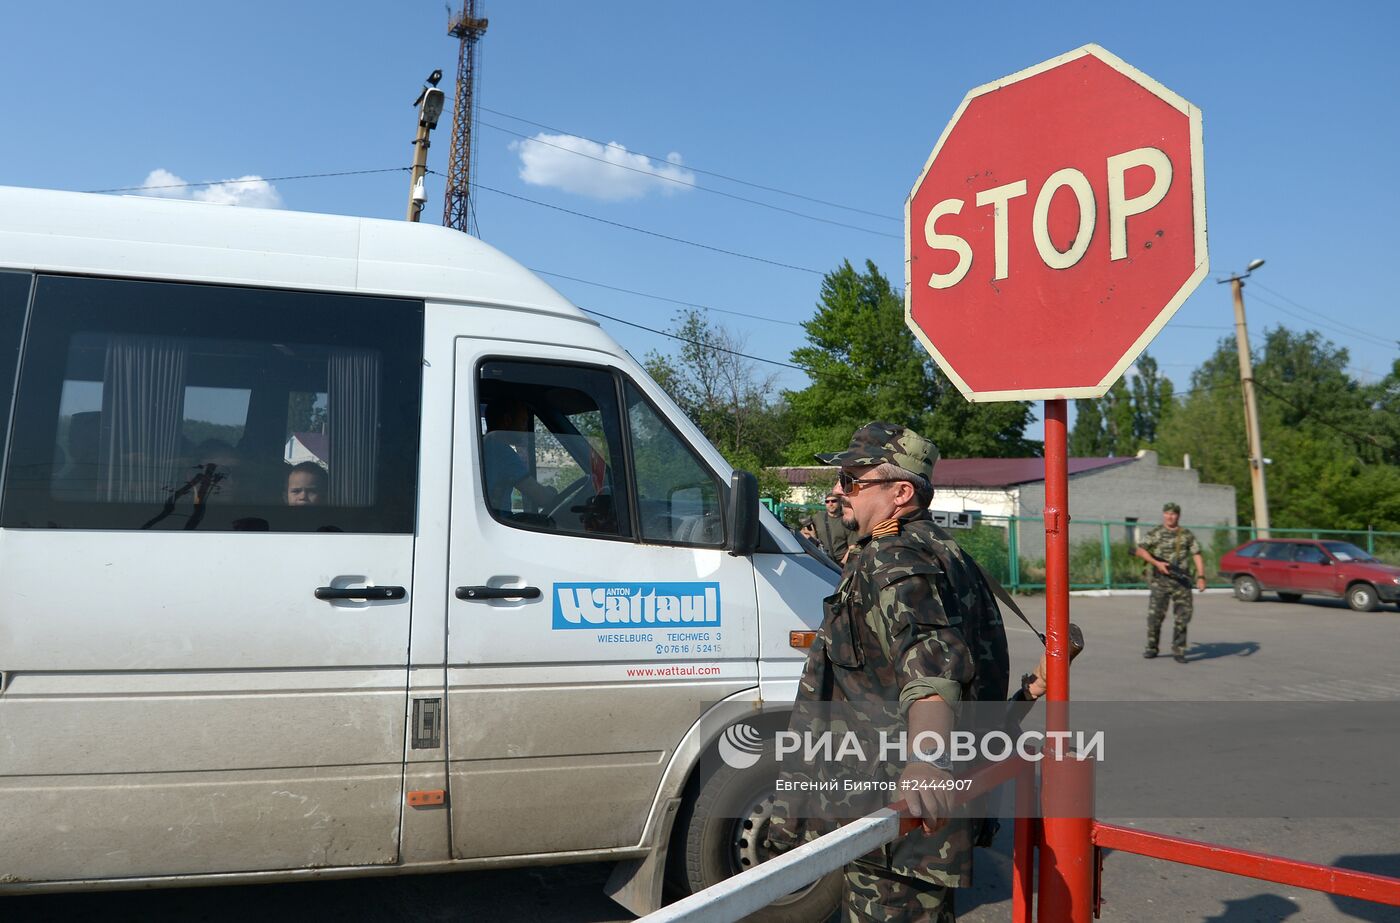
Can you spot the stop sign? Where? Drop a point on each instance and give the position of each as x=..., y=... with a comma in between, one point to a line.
x=1057, y=226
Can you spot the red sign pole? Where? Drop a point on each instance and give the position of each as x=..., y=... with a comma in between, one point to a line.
x=1066, y=888
x=1062, y=204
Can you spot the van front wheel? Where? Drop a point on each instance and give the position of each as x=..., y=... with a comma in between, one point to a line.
x=721, y=832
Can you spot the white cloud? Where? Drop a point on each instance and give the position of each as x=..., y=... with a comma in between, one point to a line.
x=252, y=191
x=606, y=171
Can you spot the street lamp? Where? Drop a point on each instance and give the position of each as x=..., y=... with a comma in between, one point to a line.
x=430, y=104
x=1251, y=406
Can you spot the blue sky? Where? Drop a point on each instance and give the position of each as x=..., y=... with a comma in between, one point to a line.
x=835, y=102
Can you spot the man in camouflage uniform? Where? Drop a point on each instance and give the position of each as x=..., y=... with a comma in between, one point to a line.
x=832, y=532
x=1168, y=546
x=911, y=632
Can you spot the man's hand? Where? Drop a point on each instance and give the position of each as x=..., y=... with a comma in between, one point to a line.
x=928, y=791
x=1201, y=584
x=1162, y=567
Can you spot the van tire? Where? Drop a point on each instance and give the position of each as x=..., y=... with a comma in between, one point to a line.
x=1362, y=597
x=1247, y=589
x=710, y=828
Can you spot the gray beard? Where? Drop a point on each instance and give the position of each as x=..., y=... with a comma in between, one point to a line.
x=850, y=522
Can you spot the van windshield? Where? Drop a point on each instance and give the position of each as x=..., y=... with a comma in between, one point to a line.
x=1346, y=551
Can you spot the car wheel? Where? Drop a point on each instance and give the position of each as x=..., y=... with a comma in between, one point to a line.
x=720, y=832
x=1289, y=597
x=1362, y=597
x=1247, y=589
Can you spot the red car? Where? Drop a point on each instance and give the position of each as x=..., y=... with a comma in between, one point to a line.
x=1295, y=567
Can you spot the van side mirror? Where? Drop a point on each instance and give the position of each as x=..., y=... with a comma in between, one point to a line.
x=743, y=513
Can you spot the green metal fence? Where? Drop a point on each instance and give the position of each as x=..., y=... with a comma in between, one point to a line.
x=1011, y=548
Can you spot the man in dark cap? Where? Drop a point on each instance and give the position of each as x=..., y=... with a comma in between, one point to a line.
x=832, y=532
x=1166, y=548
x=911, y=632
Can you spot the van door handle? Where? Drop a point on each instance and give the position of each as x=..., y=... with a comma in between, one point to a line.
x=360, y=592
x=498, y=592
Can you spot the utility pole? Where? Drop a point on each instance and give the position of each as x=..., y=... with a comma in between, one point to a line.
x=467, y=27
x=429, y=103
x=1251, y=405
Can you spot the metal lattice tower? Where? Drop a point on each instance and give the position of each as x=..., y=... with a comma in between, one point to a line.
x=467, y=27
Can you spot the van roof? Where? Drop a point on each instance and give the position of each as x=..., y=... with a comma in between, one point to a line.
x=152, y=238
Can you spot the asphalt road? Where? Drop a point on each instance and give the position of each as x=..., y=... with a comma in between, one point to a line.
x=1267, y=651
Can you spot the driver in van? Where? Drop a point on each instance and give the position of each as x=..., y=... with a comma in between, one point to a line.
x=505, y=453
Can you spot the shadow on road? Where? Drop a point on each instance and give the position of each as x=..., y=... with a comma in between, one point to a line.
x=1384, y=864
x=1262, y=908
x=1214, y=649
x=991, y=874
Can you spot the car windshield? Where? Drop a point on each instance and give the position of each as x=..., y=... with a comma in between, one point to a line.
x=1346, y=551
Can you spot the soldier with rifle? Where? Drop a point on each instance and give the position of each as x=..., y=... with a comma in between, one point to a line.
x=1166, y=548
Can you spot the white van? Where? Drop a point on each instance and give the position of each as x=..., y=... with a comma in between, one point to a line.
x=333, y=546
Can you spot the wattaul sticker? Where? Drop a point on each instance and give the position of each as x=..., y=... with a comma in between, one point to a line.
x=627, y=605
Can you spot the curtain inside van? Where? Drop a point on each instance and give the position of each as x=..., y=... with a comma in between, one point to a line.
x=143, y=404
x=352, y=425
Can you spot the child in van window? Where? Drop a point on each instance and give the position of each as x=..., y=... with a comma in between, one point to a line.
x=306, y=485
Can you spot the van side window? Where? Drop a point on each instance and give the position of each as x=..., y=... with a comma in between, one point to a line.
x=147, y=405
x=678, y=498
x=14, y=300
x=551, y=448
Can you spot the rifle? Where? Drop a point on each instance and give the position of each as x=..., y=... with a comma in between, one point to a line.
x=1178, y=574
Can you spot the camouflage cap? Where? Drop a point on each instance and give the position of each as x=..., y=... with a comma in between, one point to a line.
x=877, y=443
x=1170, y=507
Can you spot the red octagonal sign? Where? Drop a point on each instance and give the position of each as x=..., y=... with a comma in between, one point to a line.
x=1057, y=226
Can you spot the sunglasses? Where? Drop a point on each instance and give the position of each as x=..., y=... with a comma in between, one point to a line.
x=852, y=485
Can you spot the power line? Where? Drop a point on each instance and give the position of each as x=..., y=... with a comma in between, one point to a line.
x=795, y=195
x=677, y=301
x=688, y=185
x=618, y=224
x=701, y=343
x=256, y=179
x=1336, y=331
x=1309, y=414
x=1229, y=383
x=1278, y=294
x=845, y=374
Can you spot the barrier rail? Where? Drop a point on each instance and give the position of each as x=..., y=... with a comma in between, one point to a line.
x=756, y=888
x=1325, y=878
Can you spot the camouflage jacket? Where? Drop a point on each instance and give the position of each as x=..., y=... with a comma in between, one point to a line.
x=912, y=617
x=832, y=534
x=1173, y=546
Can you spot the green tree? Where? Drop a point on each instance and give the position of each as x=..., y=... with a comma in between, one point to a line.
x=304, y=414
x=1324, y=433
x=1385, y=401
x=1087, y=439
x=1119, y=417
x=724, y=395
x=1152, y=400
x=865, y=365
x=1125, y=419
